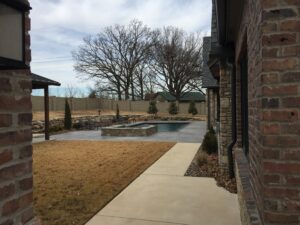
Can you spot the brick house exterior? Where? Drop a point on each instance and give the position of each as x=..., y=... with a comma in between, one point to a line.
x=15, y=132
x=255, y=59
x=212, y=87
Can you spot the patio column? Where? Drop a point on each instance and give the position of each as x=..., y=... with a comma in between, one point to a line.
x=46, y=102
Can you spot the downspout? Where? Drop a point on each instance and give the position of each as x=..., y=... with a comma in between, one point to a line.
x=233, y=121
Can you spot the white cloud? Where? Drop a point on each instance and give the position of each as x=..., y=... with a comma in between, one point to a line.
x=58, y=26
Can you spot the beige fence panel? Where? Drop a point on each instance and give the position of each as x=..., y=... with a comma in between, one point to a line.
x=58, y=104
x=123, y=105
x=140, y=106
x=106, y=104
x=37, y=103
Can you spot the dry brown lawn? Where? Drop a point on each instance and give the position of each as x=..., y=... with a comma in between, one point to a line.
x=75, y=179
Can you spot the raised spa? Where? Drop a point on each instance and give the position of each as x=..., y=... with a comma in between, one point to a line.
x=142, y=129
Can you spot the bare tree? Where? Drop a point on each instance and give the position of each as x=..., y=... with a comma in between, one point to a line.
x=196, y=84
x=144, y=80
x=177, y=60
x=71, y=91
x=105, y=91
x=113, y=55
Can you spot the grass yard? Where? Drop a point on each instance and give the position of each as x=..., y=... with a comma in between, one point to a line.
x=75, y=179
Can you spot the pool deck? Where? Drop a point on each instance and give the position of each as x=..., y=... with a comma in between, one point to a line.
x=192, y=133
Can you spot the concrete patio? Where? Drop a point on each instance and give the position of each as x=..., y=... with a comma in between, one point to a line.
x=163, y=196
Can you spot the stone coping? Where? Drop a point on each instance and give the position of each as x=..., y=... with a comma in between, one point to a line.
x=157, y=122
x=127, y=126
x=248, y=209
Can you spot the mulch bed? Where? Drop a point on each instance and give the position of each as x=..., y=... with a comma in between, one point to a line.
x=204, y=165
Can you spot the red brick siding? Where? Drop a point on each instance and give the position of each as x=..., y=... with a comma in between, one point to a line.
x=15, y=144
x=280, y=130
x=248, y=176
x=273, y=43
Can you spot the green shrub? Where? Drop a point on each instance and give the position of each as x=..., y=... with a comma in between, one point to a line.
x=152, y=108
x=173, y=109
x=192, y=108
x=68, y=116
x=77, y=126
x=202, y=160
x=210, y=142
x=55, y=128
x=117, y=113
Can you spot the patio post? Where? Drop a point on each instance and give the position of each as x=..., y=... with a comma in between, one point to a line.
x=46, y=102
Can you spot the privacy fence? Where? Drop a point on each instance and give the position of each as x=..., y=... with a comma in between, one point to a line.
x=84, y=104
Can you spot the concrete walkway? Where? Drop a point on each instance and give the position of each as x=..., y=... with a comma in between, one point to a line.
x=163, y=196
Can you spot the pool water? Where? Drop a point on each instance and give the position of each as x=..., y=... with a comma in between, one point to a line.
x=164, y=127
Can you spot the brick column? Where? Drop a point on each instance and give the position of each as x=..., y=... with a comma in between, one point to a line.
x=212, y=106
x=15, y=144
x=225, y=116
x=15, y=147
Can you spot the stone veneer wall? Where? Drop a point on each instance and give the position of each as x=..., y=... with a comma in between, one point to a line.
x=225, y=118
x=212, y=103
x=268, y=182
x=15, y=144
x=215, y=106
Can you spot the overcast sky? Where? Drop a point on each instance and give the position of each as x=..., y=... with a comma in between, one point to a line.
x=58, y=27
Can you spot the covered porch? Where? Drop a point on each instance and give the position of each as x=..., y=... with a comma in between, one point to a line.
x=40, y=82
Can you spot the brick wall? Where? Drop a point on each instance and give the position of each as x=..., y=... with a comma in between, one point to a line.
x=272, y=28
x=278, y=133
x=15, y=144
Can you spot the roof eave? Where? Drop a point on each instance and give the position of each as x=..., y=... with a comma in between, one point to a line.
x=210, y=87
x=42, y=82
x=221, y=20
x=17, y=4
x=228, y=16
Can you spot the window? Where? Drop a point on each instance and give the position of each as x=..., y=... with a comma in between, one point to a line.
x=244, y=104
x=12, y=33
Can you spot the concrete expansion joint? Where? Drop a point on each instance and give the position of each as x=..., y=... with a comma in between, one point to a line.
x=155, y=221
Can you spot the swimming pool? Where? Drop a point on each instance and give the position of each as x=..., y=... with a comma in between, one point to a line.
x=163, y=127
